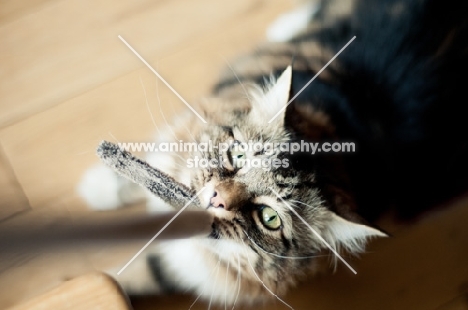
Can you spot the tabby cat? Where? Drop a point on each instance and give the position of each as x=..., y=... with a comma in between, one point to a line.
x=397, y=92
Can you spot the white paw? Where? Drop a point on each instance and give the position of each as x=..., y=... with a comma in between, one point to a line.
x=103, y=189
x=288, y=25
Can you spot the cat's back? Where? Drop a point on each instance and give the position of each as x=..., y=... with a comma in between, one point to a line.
x=397, y=91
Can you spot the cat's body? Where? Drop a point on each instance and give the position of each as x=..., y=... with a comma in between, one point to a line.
x=396, y=91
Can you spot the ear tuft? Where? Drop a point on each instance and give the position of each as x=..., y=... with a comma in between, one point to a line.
x=274, y=99
x=349, y=235
x=278, y=94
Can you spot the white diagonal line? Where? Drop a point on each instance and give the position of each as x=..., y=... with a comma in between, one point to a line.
x=315, y=233
x=308, y=83
x=161, y=78
x=160, y=231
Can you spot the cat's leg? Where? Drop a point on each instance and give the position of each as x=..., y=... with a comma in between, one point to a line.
x=289, y=24
x=103, y=189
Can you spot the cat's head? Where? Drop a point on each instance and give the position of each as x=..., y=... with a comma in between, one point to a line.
x=270, y=218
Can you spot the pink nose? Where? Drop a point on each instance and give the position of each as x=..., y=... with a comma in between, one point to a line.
x=217, y=201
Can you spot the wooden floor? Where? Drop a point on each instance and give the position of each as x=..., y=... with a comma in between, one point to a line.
x=68, y=82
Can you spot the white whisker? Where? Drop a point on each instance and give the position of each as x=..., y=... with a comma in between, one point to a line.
x=190, y=134
x=84, y=152
x=185, y=127
x=179, y=157
x=260, y=280
x=170, y=128
x=180, y=166
x=226, y=285
x=215, y=281
x=237, y=281
x=113, y=137
x=204, y=286
x=331, y=247
x=162, y=113
x=238, y=80
x=148, y=108
x=281, y=256
x=302, y=203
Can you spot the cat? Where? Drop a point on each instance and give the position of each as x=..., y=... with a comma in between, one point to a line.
x=395, y=92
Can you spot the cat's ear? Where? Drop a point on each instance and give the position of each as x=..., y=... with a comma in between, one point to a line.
x=350, y=235
x=273, y=102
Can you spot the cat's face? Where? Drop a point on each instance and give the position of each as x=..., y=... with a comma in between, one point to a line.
x=252, y=192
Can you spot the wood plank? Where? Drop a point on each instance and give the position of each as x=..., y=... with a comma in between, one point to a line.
x=70, y=47
x=26, y=272
x=39, y=274
x=50, y=150
x=29, y=268
x=57, y=214
x=11, y=10
x=64, y=60
x=92, y=291
x=12, y=197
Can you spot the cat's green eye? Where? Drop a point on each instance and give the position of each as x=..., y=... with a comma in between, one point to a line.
x=237, y=157
x=270, y=218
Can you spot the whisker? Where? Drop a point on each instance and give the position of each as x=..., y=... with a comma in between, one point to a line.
x=237, y=78
x=342, y=255
x=332, y=246
x=302, y=203
x=170, y=128
x=204, y=286
x=203, y=155
x=185, y=127
x=84, y=152
x=292, y=204
x=225, y=285
x=281, y=256
x=113, y=137
x=237, y=281
x=148, y=107
x=214, y=283
x=258, y=278
x=179, y=157
x=162, y=113
x=180, y=166
x=190, y=134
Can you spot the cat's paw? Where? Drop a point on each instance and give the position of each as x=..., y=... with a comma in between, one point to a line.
x=103, y=189
x=289, y=24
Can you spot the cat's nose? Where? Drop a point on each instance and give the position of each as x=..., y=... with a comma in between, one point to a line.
x=217, y=201
x=229, y=195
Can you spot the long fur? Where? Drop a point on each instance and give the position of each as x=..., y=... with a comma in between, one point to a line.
x=395, y=92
